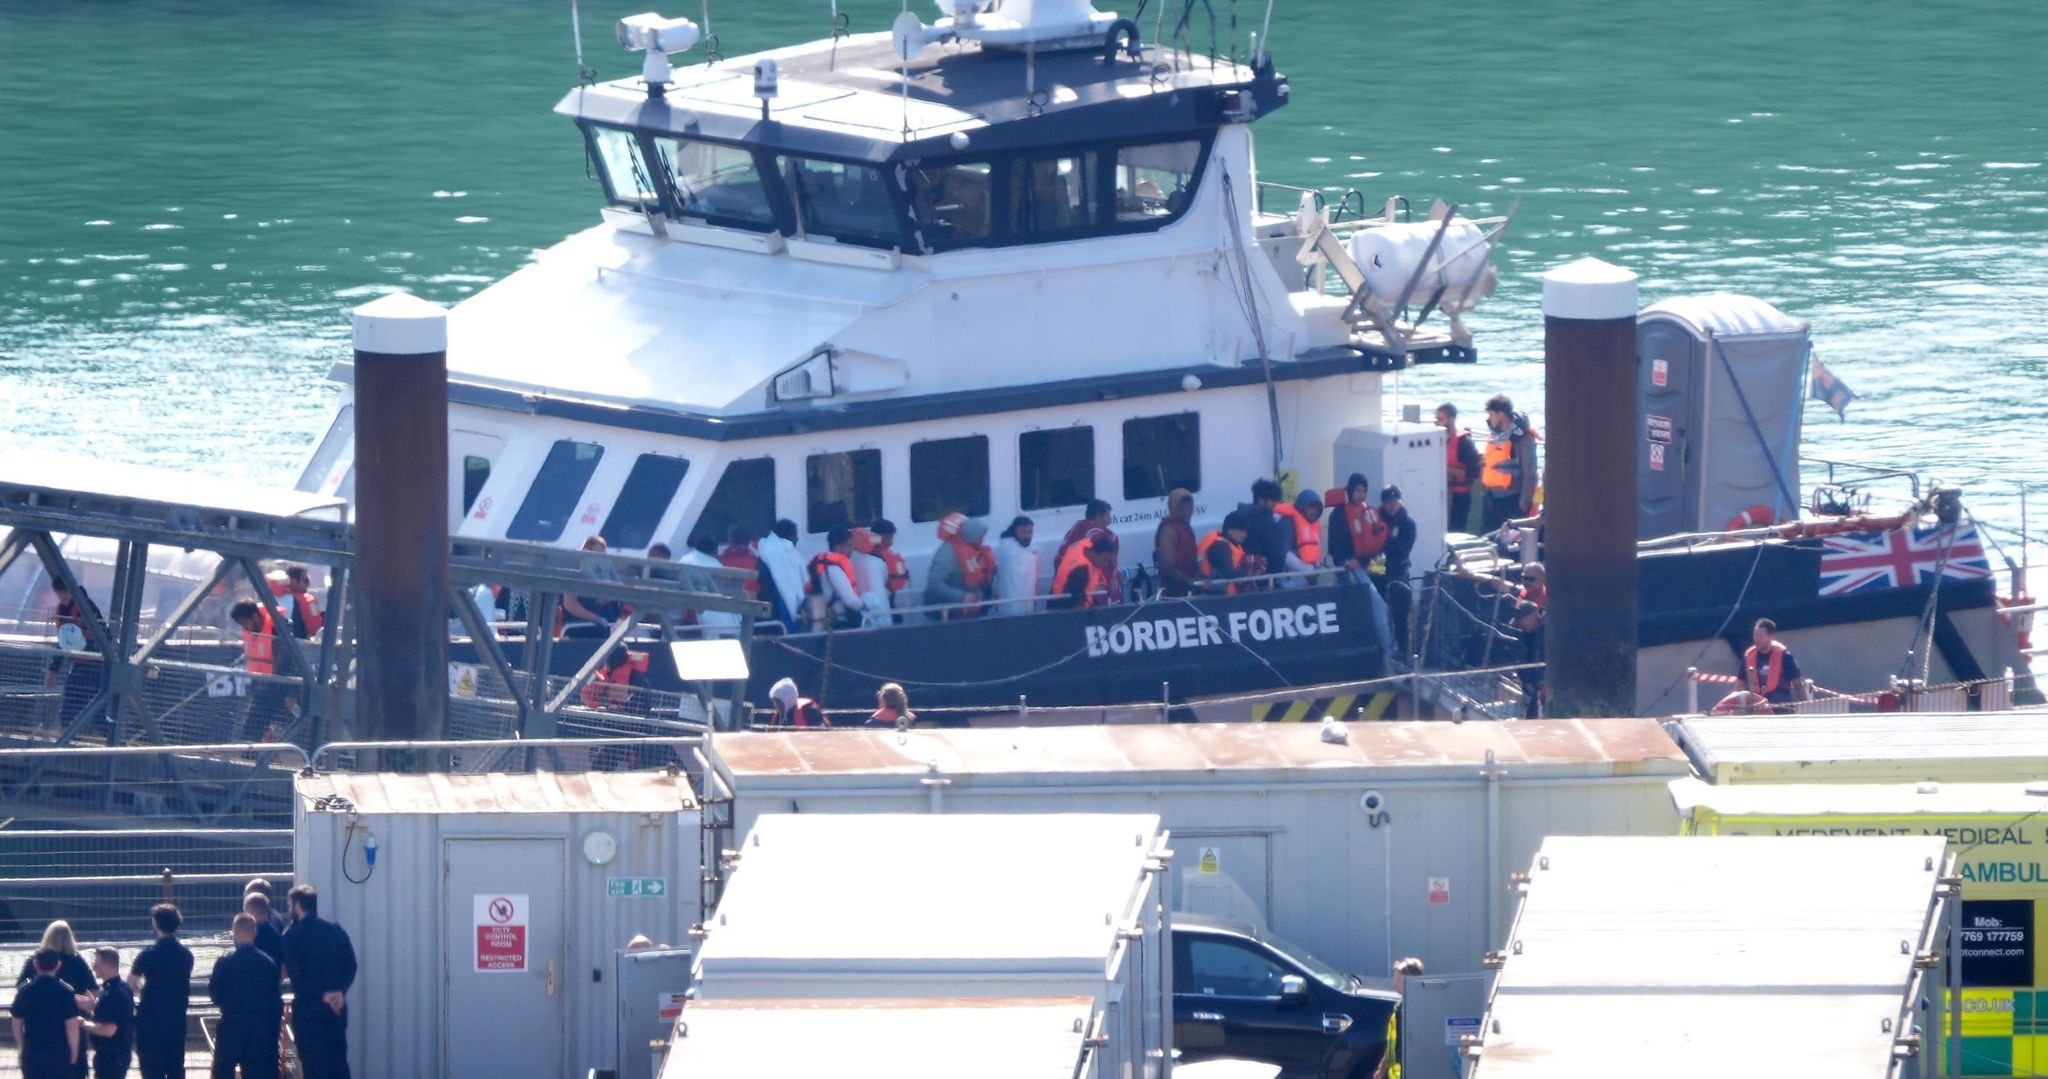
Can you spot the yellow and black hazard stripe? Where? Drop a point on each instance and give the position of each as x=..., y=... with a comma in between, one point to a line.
x=1375, y=705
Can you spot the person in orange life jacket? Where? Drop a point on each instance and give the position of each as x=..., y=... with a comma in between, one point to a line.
x=1508, y=464
x=269, y=702
x=1082, y=579
x=1094, y=517
x=1770, y=676
x=1303, y=521
x=587, y=616
x=1173, y=545
x=304, y=607
x=962, y=567
x=608, y=688
x=892, y=708
x=1221, y=555
x=896, y=572
x=792, y=709
x=1016, y=568
x=828, y=580
x=1461, y=466
x=1357, y=534
x=82, y=680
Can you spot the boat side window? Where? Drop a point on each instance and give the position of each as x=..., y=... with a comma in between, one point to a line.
x=650, y=486
x=841, y=201
x=1155, y=180
x=333, y=447
x=842, y=489
x=1056, y=467
x=1221, y=968
x=556, y=491
x=476, y=471
x=1162, y=453
x=627, y=178
x=745, y=496
x=952, y=202
x=949, y=475
x=715, y=183
x=1052, y=195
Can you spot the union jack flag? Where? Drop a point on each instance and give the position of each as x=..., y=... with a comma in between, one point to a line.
x=1900, y=558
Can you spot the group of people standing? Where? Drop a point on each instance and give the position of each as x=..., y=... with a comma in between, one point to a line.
x=1504, y=471
x=63, y=1007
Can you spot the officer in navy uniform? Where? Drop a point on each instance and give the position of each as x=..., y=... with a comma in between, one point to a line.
x=45, y=1020
x=113, y=1019
x=322, y=964
x=268, y=940
x=245, y=985
x=163, y=973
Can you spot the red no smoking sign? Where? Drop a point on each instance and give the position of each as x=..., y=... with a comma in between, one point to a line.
x=500, y=933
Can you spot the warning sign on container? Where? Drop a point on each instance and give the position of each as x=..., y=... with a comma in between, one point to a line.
x=500, y=933
x=1439, y=891
x=1656, y=457
x=669, y=1005
x=1210, y=862
x=1660, y=372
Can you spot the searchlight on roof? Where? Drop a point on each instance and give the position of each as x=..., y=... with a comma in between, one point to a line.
x=658, y=37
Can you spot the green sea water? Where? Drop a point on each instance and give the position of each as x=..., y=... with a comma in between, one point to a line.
x=194, y=193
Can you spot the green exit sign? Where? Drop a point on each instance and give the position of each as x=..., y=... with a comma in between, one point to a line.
x=634, y=887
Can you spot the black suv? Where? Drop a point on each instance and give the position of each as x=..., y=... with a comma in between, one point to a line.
x=1243, y=993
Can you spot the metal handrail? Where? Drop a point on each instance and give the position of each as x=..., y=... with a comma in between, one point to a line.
x=321, y=754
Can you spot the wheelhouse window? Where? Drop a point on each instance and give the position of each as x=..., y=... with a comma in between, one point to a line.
x=332, y=451
x=744, y=496
x=841, y=201
x=476, y=471
x=1052, y=195
x=842, y=489
x=949, y=475
x=1056, y=468
x=715, y=183
x=552, y=500
x=626, y=176
x=1155, y=181
x=1162, y=453
x=650, y=487
x=952, y=203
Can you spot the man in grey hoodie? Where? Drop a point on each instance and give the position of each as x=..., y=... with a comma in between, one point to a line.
x=962, y=567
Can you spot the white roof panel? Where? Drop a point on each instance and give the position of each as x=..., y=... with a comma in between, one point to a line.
x=1007, y=1038
x=77, y=472
x=908, y=894
x=1982, y=746
x=1635, y=949
x=1726, y=314
x=1860, y=799
x=497, y=792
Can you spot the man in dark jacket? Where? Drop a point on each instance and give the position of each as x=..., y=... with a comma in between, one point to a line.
x=246, y=987
x=163, y=974
x=322, y=964
x=1266, y=535
x=112, y=1025
x=45, y=1020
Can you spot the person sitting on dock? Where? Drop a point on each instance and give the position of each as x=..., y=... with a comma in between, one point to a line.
x=962, y=567
x=1173, y=545
x=1770, y=676
x=1083, y=578
x=832, y=601
x=1221, y=555
x=792, y=709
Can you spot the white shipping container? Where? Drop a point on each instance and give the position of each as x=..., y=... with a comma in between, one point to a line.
x=488, y=926
x=902, y=1039
x=1396, y=841
x=953, y=907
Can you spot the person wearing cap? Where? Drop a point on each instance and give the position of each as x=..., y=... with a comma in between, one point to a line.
x=962, y=567
x=1082, y=580
x=1173, y=545
x=1400, y=544
x=1357, y=534
x=829, y=582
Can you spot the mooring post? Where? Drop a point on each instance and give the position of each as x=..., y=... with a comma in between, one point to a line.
x=1589, y=499
x=401, y=511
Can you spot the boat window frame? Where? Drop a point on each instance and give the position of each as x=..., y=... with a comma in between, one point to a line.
x=1024, y=459
x=865, y=461
x=744, y=487
x=892, y=184
x=952, y=470
x=533, y=489
x=780, y=205
x=1105, y=154
x=641, y=537
x=597, y=165
x=1169, y=483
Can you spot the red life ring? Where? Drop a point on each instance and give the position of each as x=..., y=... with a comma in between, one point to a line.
x=1755, y=516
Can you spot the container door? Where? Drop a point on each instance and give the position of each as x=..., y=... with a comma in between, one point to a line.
x=651, y=983
x=1223, y=874
x=502, y=958
x=1436, y=1011
x=1667, y=389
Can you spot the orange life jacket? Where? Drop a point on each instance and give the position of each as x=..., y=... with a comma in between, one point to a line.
x=1308, y=539
x=608, y=687
x=259, y=646
x=1368, y=531
x=309, y=611
x=744, y=558
x=1098, y=584
x=816, y=585
x=805, y=714
x=897, y=570
x=1215, y=537
x=1776, y=669
x=1457, y=487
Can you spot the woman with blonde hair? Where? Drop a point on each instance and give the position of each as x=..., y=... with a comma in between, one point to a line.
x=892, y=708
x=72, y=968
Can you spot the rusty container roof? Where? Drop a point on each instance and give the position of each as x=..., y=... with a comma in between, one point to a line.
x=497, y=792
x=1278, y=752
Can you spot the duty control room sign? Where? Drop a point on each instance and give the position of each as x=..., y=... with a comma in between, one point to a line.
x=500, y=934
